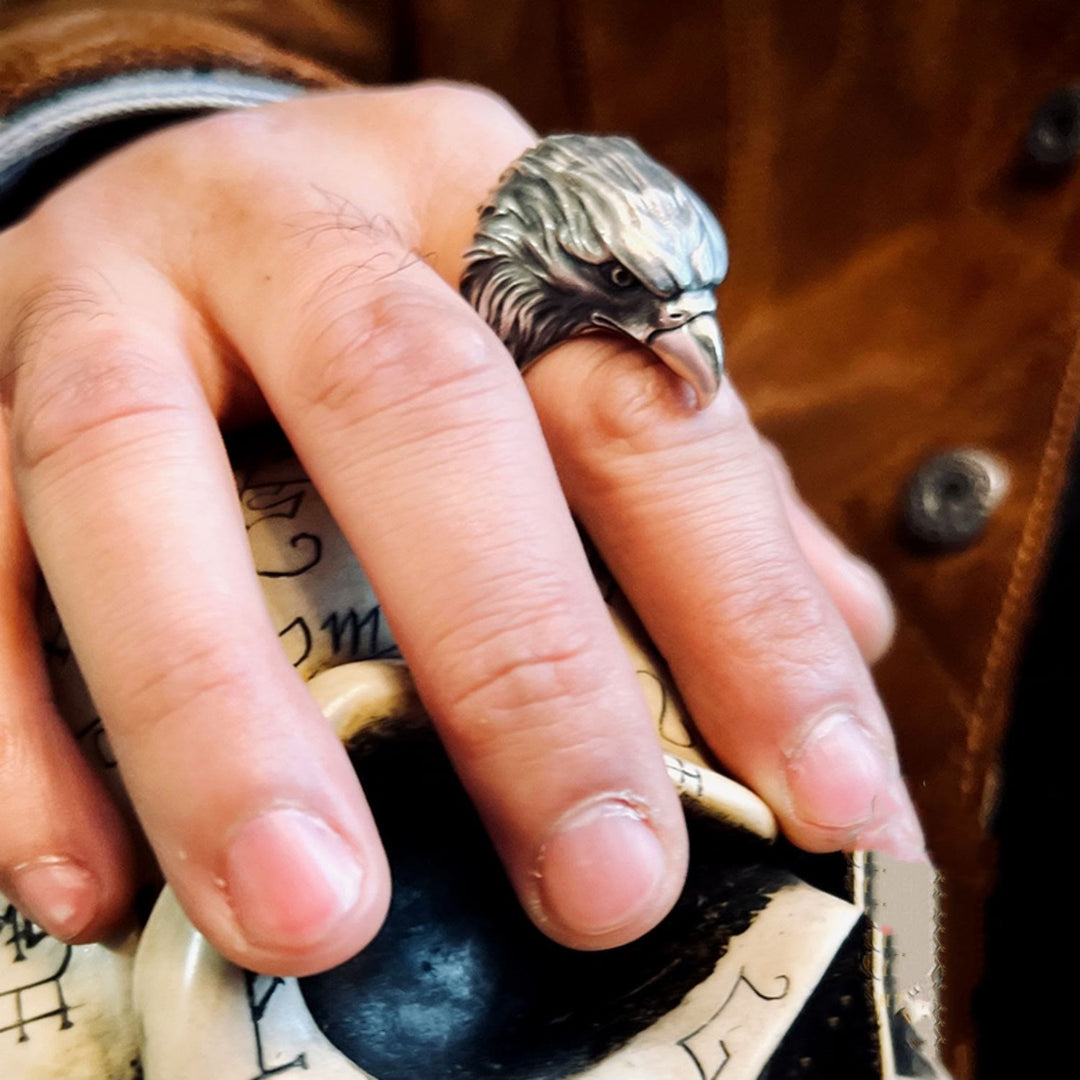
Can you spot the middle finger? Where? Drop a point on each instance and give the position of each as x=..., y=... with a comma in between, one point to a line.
x=415, y=426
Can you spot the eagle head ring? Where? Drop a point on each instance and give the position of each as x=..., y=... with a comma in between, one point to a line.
x=588, y=233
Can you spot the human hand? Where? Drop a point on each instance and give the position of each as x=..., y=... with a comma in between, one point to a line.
x=302, y=260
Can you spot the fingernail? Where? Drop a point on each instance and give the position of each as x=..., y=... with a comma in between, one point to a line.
x=901, y=840
x=59, y=895
x=602, y=868
x=837, y=774
x=899, y=833
x=290, y=879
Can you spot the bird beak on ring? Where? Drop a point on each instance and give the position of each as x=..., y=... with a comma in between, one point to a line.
x=693, y=351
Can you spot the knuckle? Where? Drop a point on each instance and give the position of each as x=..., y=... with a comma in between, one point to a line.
x=772, y=611
x=244, y=138
x=368, y=246
x=633, y=404
x=48, y=309
x=514, y=679
x=234, y=132
x=454, y=106
x=97, y=393
x=198, y=676
x=525, y=698
x=393, y=350
x=629, y=398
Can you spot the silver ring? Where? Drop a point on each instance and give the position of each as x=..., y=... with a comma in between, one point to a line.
x=587, y=233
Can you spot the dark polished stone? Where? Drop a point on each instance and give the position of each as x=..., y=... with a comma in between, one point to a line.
x=459, y=985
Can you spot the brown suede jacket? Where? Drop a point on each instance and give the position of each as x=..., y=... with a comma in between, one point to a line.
x=902, y=283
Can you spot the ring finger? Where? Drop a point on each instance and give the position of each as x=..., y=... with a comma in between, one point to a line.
x=686, y=509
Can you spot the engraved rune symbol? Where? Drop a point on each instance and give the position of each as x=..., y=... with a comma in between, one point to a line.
x=260, y=991
x=710, y=1046
x=270, y=501
x=687, y=777
x=38, y=999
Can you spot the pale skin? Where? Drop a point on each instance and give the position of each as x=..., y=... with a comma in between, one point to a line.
x=301, y=261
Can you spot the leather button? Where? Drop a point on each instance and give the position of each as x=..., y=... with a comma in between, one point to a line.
x=1053, y=140
x=951, y=497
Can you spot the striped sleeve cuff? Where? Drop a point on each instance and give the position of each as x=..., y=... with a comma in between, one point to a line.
x=37, y=130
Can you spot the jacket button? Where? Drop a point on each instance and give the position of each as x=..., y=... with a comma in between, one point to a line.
x=951, y=497
x=1053, y=140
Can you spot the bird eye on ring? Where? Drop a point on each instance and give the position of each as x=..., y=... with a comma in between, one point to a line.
x=619, y=276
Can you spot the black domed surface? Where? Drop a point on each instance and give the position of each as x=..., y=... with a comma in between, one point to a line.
x=459, y=985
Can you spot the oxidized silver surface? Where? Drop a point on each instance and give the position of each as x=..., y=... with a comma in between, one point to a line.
x=588, y=233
